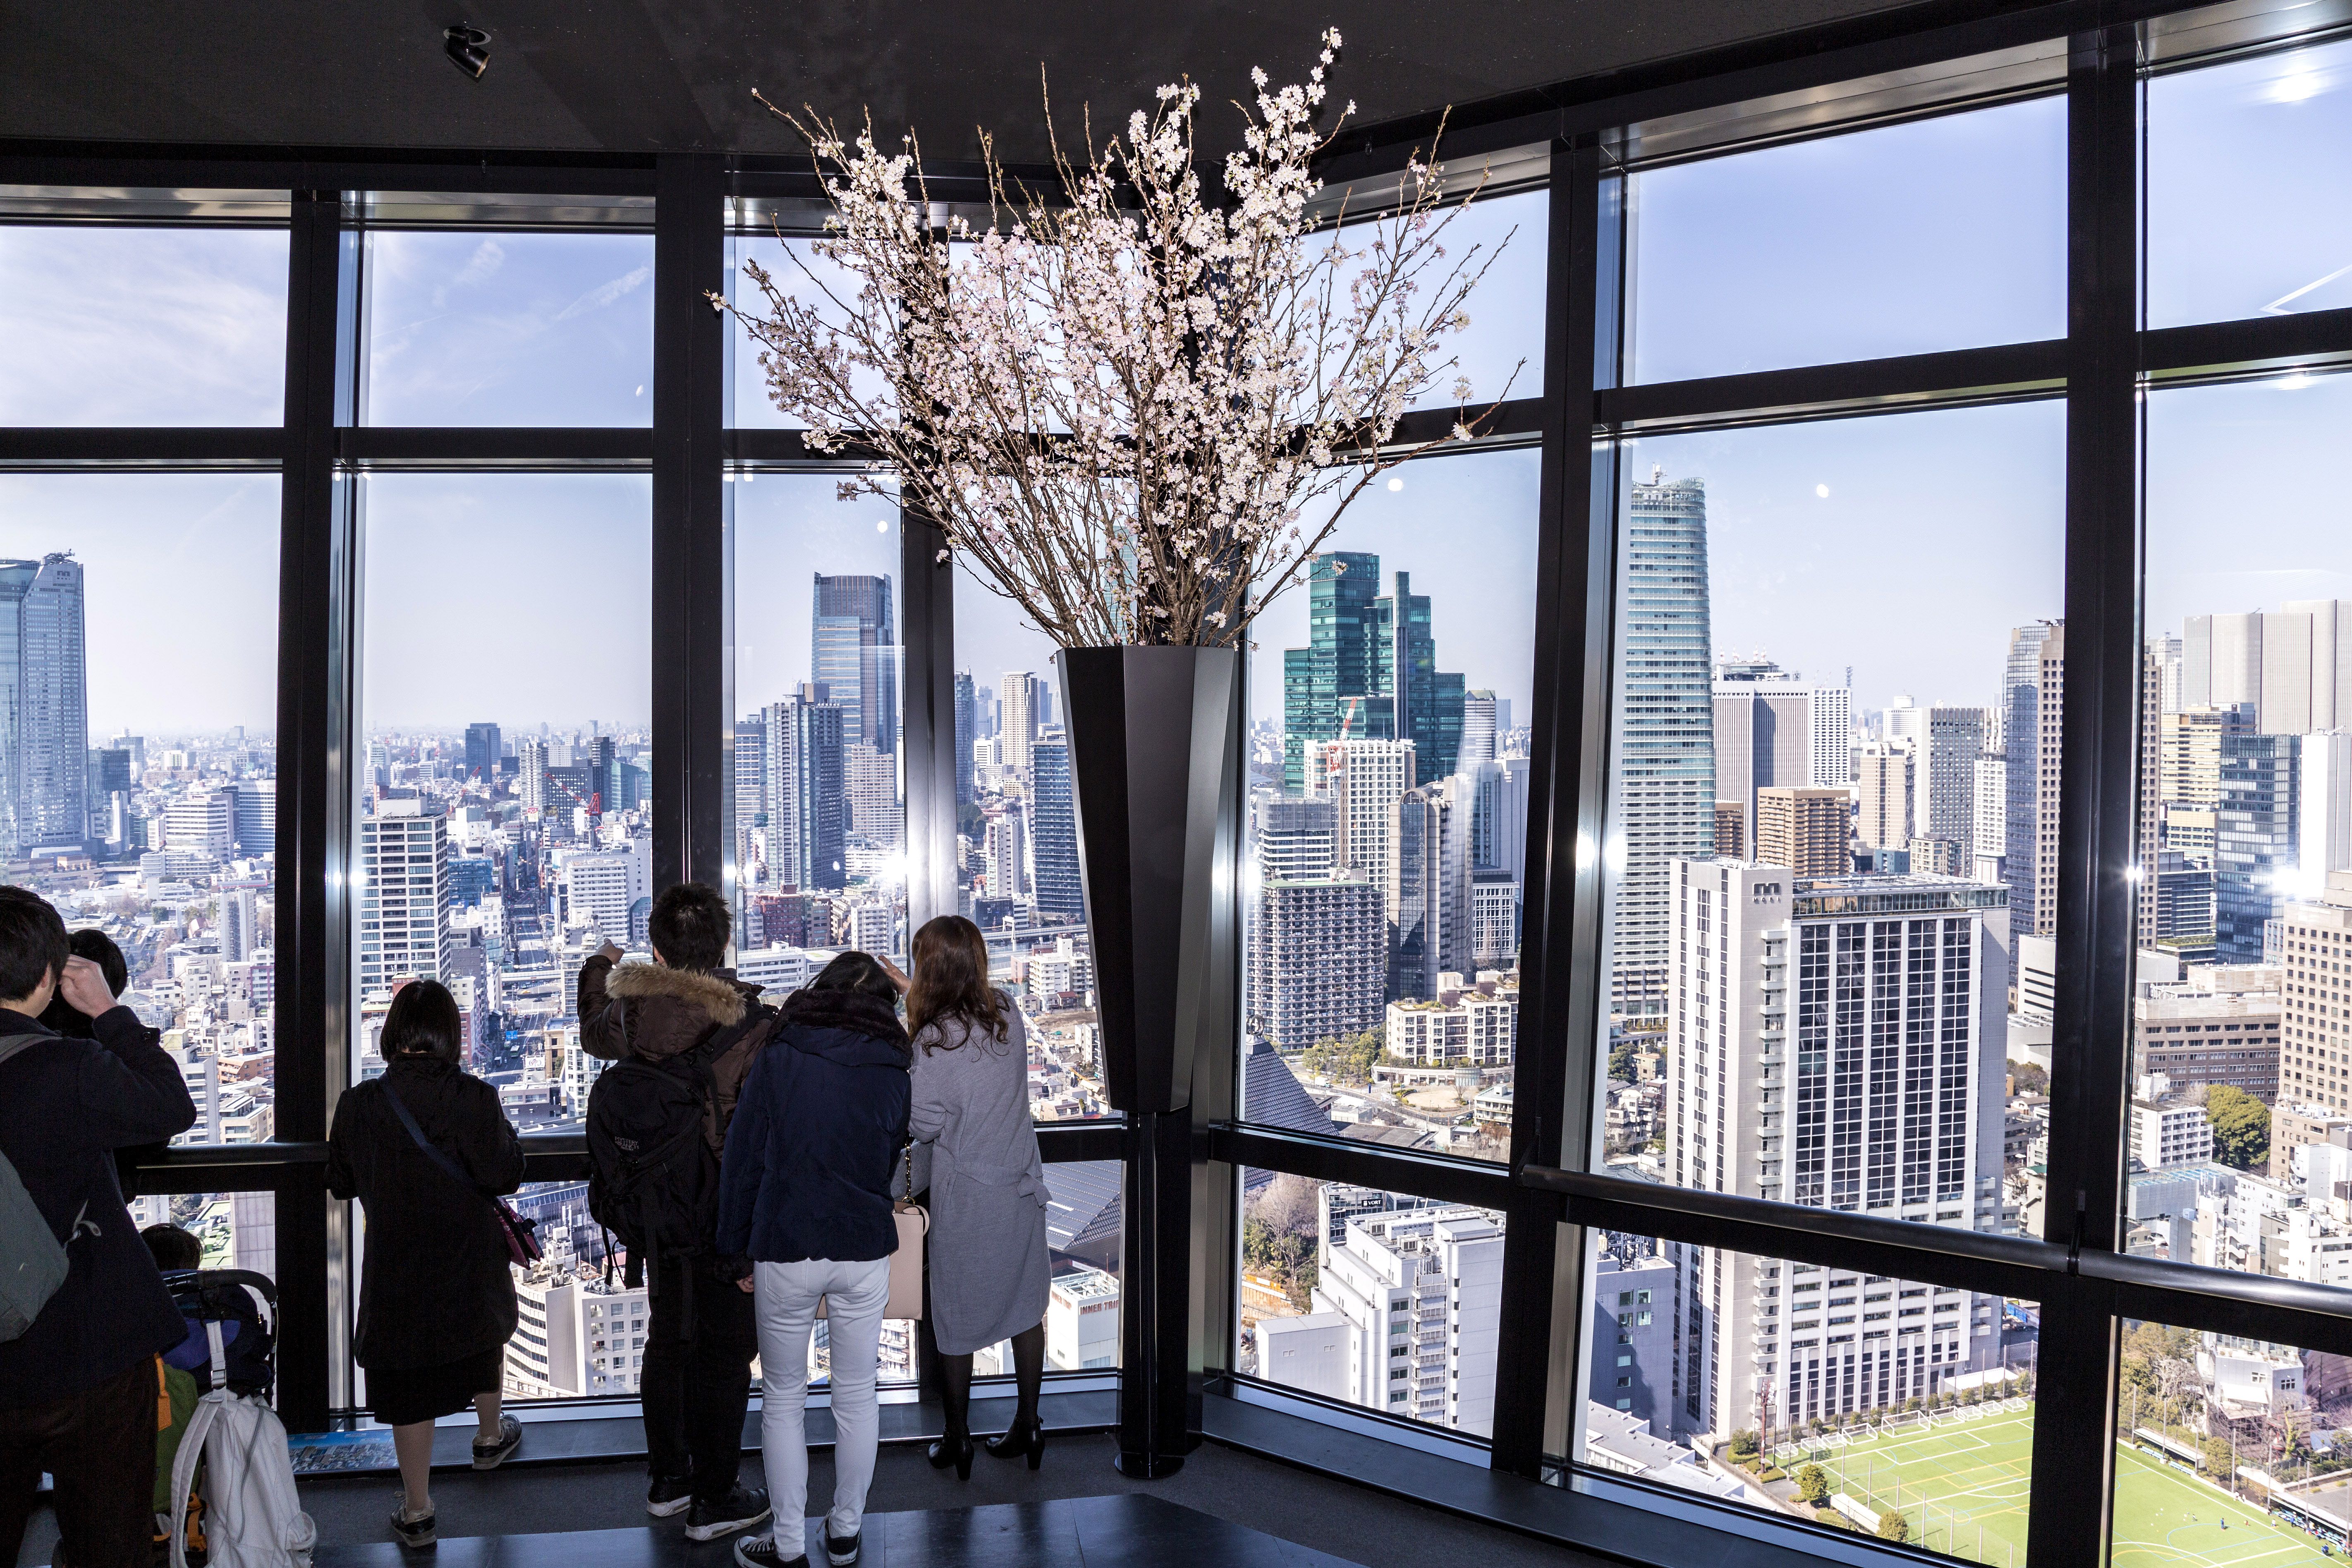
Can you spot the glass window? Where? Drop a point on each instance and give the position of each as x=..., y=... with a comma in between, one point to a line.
x=1890, y=1407
x=232, y=1230
x=2226, y=1450
x=1945, y=233
x=467, y=328
x=2246, y=837
x=105, y=325
x=1372, y=1298
x=1831, y=854
x=2249, y=194
x=820, y=845
x=140, y=796
x=1387, y=854
x=799, y=273
x=1017, y=835
x=504, y=826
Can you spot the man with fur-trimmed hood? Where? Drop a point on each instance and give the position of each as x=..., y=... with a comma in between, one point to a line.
x=696, y=1384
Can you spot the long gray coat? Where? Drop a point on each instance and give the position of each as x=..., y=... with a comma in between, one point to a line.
x=990, y=1270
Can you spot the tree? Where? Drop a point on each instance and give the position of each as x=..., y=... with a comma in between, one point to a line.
x=2029, y=1078
x=1620, y=1060
x=1812, y=1483
x=1745, y=1443
x=2241, y=1126
x=2219, y=1460
x=1892, y=1526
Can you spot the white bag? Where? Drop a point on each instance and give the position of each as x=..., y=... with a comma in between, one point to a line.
x=253, y=1516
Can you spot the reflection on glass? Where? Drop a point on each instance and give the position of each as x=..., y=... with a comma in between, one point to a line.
x=1945, y=233
x=504, y=826
x=1017, y=843
x=472, y=329
x=2242, y=1087
x=141, y=790
x=108, y=325
x=1388, y=815
x=1372, y=1298
x=820, y=848
x=1888, y=1407
x=2254, y=147
x=2228, y=1450
x=1830, y=850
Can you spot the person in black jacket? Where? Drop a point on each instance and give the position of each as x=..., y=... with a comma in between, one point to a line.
x=804, y=1192
x=78, y=1388
x=436, y=1296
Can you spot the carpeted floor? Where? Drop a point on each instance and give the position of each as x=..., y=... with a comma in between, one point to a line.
x=1312, y=1510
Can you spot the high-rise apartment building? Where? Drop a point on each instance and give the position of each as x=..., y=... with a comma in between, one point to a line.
x=611, y=890
x=1494, y=920
x=532, y=772
x=1662, y=794
x=1005, y=844
x=1944, y=780
x=1369, y=671
x=1295, y=837
x=405, y=902
x=871, y=778
x=1805, y=830
x=483, y=748
x=1053, y=831
x=2316, y=1058
x=203, y=824
x=1318, y=960
x=1016, y=718
x=2022, y=731
x=1883, y=776
x=854, y=655
x=1364, y=781
x=808, y=793
x=751, y=797
x=1421, y=1290
x=1836, y=1042
x=1429, y=889
x=44, y=706
x=967, y=730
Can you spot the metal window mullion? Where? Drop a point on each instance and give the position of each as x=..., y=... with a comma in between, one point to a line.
x=2095, y=922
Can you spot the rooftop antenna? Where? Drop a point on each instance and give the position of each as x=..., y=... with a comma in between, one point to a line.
x=1657, y=472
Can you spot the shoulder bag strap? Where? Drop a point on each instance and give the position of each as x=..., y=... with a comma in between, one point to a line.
x=19, y=1043
x=432, y=1150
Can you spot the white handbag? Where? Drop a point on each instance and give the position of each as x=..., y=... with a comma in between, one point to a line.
x=914, y=1223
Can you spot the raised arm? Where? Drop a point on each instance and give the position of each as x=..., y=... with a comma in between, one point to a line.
x=131, y=1090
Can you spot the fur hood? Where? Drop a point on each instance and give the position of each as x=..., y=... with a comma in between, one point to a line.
x=717, y=998
x=853, y=1011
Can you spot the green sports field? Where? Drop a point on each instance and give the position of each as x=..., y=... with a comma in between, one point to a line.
x=1963, y=1488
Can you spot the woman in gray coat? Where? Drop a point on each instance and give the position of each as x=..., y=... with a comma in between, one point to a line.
x=989, y=1273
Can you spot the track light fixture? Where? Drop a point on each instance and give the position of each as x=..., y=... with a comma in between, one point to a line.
x=468, y=49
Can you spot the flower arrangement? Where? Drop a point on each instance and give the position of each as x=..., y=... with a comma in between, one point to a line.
x=1134, y=411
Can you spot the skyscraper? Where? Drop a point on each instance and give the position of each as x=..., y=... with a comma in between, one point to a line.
x=808, y=794
x=1763, y=732
x=853, y=654
x=751, y=772
x=2023, y=679
x=1416, y=894
x=1805, y=830
x=1944, y=780
x=43, y=705
x=1054, y=832
x=871, y=780
x=2255, y=858
x=1016, y=718
x=1662, y=788
x=2293, y=665
x=1426, y=702
x=967, y=728
x=2324, y=829
x=1884, y=781
x=1365, y=779
x=405, y=904
x=483, y=747
x=1369, y=670
x=1479, y=731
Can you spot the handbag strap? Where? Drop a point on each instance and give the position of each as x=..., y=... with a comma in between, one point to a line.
x=433, y=1152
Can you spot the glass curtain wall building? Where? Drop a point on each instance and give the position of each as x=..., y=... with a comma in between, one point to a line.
x=1798, y=887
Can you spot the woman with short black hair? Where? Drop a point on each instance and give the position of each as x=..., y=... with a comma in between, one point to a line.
x=436, y=1295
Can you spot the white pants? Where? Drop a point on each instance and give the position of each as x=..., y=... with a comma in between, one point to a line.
x=856, y=1294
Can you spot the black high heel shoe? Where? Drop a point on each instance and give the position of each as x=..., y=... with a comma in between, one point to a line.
x=1021, y=1438
x=955, y=1448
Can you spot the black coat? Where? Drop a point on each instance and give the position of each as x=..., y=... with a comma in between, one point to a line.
x=437, y=1286
x=64, y=1105
x=816, y=1133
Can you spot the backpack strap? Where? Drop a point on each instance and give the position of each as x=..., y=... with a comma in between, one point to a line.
x=20, y=1042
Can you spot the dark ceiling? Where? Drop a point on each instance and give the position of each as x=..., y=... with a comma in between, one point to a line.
x=647, y=76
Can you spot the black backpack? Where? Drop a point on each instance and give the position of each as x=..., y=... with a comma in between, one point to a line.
x=653, y=1180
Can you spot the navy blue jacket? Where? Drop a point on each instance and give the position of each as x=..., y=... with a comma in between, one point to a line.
x=65, y=1106
x=818, y=1127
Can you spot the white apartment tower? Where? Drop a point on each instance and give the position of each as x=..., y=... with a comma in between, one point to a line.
x=404, y=909
x=1836, y=1043
x=1421, y=1290
x=1016, y=718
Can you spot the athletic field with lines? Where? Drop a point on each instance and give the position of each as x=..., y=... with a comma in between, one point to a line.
x=1963, y=1487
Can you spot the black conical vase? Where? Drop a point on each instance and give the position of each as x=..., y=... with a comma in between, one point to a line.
x=1156, y=777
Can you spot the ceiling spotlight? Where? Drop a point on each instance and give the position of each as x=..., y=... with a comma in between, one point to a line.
x=468, y=49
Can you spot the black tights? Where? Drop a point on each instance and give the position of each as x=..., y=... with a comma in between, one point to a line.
x=1028, y=1373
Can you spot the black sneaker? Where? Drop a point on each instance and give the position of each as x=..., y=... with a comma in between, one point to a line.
x=842, y=1550
x=739, y=1509
x=761, y=1551
x=669, y=1495
x=415, y=1534
x=491, y=1455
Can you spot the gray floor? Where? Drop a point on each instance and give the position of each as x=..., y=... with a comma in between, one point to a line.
x=1312, y=1510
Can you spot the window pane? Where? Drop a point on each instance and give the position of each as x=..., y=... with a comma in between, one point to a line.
x=503, y=826
x=234, y=1230
x=1376, y=1299
x=1849, y=1399
x=1830, y=851
x=141, y=326
x=1388, y=854
x=2256, y=147
x=1947, y=233
x=1017, y=835
x=1501, y=352
x=819, y=858
x=799, y=273
x=474, y=329
x=2241, y=1051
x=141, y=791
x=2225, y=1451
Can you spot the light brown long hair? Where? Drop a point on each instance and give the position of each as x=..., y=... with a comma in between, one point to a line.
x=951, y=981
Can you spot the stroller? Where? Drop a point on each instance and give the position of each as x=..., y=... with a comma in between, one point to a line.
x=229, y=1499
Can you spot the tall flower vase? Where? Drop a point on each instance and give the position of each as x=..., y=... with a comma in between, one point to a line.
x=1156, y=772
